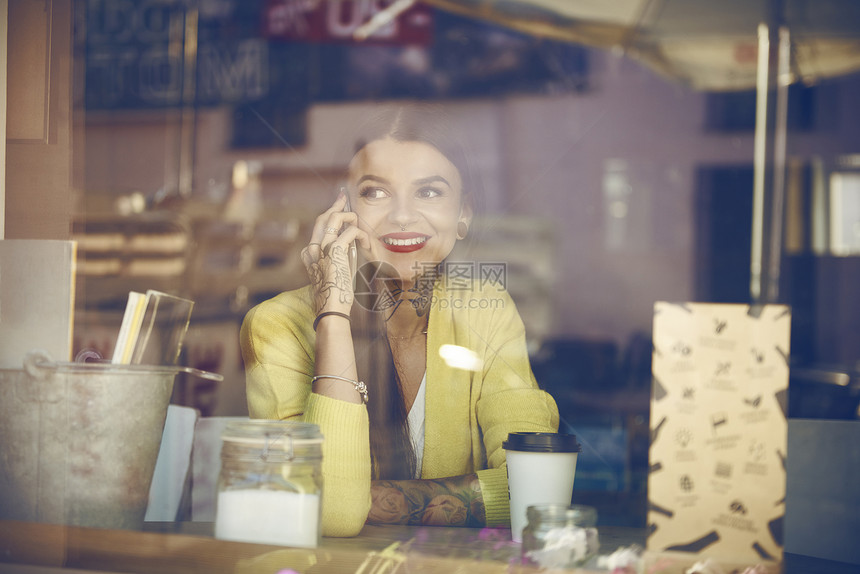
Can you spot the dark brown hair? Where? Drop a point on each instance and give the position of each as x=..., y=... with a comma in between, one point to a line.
x=391, y=449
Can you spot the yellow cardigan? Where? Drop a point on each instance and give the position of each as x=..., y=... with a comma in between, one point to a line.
x=468, y=413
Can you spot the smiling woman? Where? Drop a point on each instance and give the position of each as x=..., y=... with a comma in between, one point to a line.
x=410, y=436
x=409, y=199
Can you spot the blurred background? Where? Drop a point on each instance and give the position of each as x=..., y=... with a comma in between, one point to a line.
x=651, y=150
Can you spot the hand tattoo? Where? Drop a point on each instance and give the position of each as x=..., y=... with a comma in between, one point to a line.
x=330, y=277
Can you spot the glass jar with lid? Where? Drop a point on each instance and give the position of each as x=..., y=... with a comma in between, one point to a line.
x=270, y=485
x=559, y=536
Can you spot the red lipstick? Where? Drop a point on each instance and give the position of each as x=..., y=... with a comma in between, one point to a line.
x=404, y=242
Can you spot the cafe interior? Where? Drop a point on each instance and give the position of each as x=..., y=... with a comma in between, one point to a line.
x=633, y=154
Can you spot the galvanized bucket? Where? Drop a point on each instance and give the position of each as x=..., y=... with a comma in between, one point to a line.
x=79, y=441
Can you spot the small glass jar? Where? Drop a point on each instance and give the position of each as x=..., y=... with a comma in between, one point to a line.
x=270, y=485
x=559, y=536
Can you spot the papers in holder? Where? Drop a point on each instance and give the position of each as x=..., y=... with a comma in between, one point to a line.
x=153, y=329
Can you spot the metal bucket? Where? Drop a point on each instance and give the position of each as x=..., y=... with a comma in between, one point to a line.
x=79, y=441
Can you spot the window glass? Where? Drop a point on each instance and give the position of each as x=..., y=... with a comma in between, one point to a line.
x=216, y=131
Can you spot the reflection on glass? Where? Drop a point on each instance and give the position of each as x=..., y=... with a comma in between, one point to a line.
x=458, y=357
x=600, y=189
x=845, y=213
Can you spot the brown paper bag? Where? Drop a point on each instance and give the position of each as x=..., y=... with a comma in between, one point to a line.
x=716, y=485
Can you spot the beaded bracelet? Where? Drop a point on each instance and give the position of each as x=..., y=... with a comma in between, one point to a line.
x=335, y=313
x=358, y=385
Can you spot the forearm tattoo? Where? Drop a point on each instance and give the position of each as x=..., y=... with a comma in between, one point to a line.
x=330, y=277
x=455, y=501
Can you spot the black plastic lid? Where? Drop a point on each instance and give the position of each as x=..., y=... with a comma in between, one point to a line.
x=541, y=442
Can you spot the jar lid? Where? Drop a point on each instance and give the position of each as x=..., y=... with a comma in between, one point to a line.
x=272, y=434
x=541, y=442
x=576, y=514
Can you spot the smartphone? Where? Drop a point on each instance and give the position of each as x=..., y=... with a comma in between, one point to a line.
x=353, y=252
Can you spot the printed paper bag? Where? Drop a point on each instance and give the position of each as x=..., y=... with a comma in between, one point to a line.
x=716, y=484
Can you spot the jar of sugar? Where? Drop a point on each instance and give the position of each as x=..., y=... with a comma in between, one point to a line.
x=560, y=536
x=270, y=486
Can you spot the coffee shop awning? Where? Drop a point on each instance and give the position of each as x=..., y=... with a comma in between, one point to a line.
x=707, y=44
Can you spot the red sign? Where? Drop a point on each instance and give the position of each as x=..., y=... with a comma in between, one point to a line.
x=337, y=20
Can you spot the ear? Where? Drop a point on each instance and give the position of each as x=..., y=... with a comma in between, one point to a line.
x=466, y=210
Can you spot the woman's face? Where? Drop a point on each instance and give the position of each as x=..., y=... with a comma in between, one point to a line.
x=409, y=199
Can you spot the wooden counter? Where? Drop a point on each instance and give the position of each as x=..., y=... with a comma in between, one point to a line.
x=167, y=548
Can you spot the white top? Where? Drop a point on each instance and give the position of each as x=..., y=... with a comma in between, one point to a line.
x=415, y=419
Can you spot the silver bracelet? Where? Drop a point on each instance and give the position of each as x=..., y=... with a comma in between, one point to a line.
x=357, y=385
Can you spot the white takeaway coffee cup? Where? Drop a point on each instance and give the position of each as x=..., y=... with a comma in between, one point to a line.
x=541, y=467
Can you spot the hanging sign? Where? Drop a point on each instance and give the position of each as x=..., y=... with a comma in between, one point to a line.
x=335, y=21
